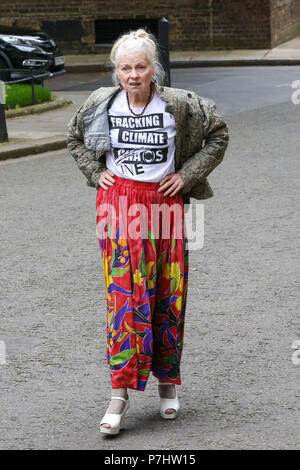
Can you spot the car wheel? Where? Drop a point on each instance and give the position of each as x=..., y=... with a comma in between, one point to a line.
x=4, y=75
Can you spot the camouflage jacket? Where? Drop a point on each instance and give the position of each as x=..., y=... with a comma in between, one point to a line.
x=201, y=137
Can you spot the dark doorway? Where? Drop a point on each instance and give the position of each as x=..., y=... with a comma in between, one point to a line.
x=107, y=30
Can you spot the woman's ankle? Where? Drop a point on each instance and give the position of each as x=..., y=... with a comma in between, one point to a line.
x=166, y=390
x=119, y=392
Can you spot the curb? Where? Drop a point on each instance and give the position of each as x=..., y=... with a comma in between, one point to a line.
x=80, y=68
x=232, y=62
x=32, y=148
x=105, y=67
x=57, y=102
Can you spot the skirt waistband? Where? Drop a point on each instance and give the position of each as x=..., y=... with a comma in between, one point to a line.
x=136, y=184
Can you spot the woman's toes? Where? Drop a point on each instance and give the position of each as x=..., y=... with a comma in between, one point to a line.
x=170, y=411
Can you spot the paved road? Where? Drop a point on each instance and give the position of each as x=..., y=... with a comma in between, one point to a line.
x=234, y=89
x=240, y=388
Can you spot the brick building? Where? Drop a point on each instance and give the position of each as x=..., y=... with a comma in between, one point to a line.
x=83, y=26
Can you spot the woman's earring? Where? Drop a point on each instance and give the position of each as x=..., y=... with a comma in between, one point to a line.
x=120, y=86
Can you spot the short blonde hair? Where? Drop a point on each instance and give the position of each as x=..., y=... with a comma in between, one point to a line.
x=141, y=41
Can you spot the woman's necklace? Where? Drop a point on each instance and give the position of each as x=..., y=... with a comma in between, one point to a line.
x=135, y=114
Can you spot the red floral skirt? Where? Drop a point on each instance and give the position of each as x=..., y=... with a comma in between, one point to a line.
x=145, y=264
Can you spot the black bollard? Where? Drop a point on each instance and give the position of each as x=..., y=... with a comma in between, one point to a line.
x=3, y=128
x=163, y=39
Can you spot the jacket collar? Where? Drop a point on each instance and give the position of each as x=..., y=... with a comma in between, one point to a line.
x=169, y=98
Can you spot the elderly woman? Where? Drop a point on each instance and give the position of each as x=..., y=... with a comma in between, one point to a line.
x=143, y=147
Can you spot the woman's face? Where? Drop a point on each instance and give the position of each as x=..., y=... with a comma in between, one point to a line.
x=135, y=72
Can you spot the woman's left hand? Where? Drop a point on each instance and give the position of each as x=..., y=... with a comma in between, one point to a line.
x=172, y=183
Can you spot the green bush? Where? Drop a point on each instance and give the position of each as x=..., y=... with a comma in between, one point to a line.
x=17, y=95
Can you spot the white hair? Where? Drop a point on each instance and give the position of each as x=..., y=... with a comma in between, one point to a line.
x=140, y=41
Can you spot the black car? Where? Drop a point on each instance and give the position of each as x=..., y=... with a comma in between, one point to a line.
x=28, y=50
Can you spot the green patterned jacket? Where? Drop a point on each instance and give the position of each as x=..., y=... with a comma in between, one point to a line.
x=201, y=137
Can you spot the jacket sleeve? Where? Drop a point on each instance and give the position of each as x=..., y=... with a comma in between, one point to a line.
x=197, y=168
x=85, y=159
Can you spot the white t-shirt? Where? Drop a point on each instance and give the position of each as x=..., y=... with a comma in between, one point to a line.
x=142, y=148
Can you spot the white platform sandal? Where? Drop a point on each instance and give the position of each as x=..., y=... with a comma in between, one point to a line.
x=116, y=421
x=169, y=403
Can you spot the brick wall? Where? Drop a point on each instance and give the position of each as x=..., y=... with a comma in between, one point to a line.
x=285, y=20
x=229, y=24
x=71, y=23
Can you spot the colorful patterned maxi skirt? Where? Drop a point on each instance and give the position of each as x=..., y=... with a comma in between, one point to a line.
x=145, y=262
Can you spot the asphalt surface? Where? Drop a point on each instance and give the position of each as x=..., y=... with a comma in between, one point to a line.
x=240, y=387
x=234, y=89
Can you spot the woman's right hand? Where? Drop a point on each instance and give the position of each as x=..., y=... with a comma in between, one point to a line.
x=106, y=178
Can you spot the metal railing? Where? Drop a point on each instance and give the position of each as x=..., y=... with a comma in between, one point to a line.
x=31, y=78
